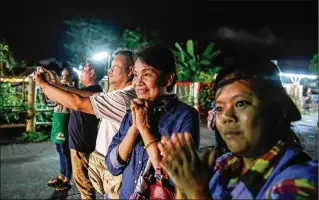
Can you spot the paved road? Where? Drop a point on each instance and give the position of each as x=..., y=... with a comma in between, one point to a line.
x=26, y=168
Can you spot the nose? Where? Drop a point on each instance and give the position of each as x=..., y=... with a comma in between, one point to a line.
x=138, y=80
x=110, y=70
x=229, y=115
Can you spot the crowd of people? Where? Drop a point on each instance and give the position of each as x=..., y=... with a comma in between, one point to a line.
x=139, y=141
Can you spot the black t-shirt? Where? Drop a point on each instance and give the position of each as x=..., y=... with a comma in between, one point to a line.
x=83, y=127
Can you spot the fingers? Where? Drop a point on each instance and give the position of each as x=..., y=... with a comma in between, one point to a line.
x=169, y=161
x=133, y=105
x=175, y=140
x=41, y=69
x=37, y=77
x=139, y=101
x=133, y=115
x=164, y=139
x=162, y=149
x=190, y=144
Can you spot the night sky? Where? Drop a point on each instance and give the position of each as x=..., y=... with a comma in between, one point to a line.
x=35, y=29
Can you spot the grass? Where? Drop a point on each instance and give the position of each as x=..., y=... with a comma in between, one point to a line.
x=31, y=137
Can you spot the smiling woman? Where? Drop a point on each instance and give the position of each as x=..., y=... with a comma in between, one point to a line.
x=155, y=113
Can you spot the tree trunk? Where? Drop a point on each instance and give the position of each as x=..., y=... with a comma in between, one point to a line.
x=31, y=106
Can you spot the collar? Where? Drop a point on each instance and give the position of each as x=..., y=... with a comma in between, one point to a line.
x=170, y=105
x=127, y=88
x=232, y=163
x=255, y=177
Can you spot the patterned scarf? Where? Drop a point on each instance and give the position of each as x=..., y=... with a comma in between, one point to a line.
x=254, y=178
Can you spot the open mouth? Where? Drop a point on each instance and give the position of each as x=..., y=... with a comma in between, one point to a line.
x=141, y=91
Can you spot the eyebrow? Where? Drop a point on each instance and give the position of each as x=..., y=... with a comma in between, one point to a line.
x=247, y=94
x=147, y=70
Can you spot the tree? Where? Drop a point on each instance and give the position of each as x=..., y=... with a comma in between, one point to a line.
x=313, y=67
x=6, y=58
x=137, y=37
x=195, y=66
x=87, y=36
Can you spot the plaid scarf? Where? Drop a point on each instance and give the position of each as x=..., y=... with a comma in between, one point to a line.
x=254, y=178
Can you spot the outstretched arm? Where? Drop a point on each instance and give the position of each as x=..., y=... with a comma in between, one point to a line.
x=63, y=96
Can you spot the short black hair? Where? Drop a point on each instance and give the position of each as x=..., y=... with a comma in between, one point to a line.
x=128, y=54
x=99, y=68
x=160, y=57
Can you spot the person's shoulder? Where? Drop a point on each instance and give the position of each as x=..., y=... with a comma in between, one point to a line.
x=301, y=169
x=93, y=88
x=299, y=165
x=127, y=94
x=128, y=91
x=185, y=107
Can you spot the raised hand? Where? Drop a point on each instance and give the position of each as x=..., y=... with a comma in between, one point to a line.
x=39, y=78
x=183, y=165
x=139, y=109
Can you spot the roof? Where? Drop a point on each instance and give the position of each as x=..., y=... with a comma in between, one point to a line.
x=297, y=65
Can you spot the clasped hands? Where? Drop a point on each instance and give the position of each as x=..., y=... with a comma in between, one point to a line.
x=179, y=157
x=140, y=109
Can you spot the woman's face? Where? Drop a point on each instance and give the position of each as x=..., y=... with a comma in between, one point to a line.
x=66, y=77
x=146, y=81
x=238, y=119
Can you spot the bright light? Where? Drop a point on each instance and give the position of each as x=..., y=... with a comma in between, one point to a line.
x=292, y=75
x=100, y=56
x=78, y=72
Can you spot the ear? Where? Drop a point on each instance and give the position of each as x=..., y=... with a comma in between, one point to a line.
x=130, y=70
x=170, y=79
x=92, y=72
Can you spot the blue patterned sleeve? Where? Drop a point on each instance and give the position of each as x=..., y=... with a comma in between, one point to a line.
x=112, y=162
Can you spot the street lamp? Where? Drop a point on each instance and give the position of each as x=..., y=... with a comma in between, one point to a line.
x=100, y=56
x=104, y=56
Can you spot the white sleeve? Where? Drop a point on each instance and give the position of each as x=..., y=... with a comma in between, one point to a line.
x=110, y=106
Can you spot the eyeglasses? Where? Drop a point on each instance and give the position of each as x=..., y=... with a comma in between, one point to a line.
x=146, y=75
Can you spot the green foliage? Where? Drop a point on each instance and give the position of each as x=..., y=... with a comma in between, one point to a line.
x=313, y=67
x=87, y=36
x=10, y=95
x=44, y=116
x=195, y=66
x=4, y=49
x=6, y=58
x=206, y=96
x=34, y=137
x=11, y=99
x=137, y=37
